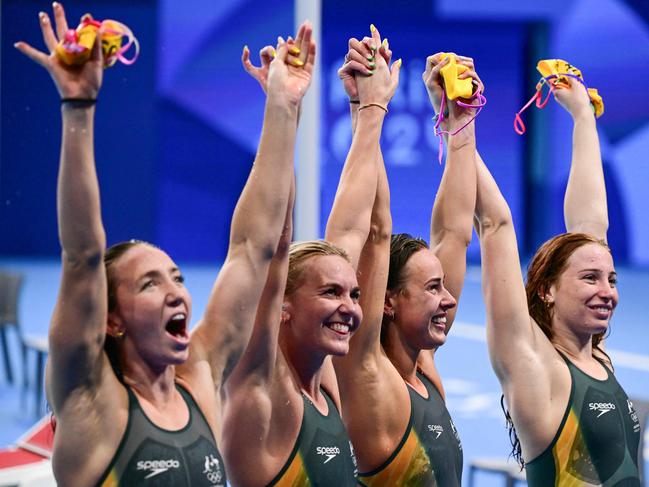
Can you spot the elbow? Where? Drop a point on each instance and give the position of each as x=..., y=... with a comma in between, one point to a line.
x=380, y=230
x=487, y=224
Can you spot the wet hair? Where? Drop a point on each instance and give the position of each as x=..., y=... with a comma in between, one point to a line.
x=111, y=256
x=402, y=247
x=299, y=253
x=544, y=270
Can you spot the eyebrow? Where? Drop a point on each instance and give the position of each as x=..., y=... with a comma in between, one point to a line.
x=155, y=272
x=598, y=271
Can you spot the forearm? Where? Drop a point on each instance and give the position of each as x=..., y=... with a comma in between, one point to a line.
x=79, y=213
x=491, y=209
x=585, y=207
x=452, y=215
x=352, y=208
x=265, y=196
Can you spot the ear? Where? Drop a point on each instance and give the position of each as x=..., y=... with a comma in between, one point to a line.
x=286, y=311
x=389, y=303
x=114, y=325
x=547, y=295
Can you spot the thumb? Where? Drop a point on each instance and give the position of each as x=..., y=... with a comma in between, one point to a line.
x=395, y=71
x=97, y=53
x=281, y=49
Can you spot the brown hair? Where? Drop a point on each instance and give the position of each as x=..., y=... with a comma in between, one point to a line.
x=112, y=255
x=300, y=252
x=402, y=247
x=544, y=270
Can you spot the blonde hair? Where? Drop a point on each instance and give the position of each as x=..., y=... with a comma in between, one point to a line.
x=300, y=252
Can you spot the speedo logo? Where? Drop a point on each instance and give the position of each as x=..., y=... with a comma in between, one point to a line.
x=437, y=429
x=330, y=452
x=157, y=466
x=602, y=407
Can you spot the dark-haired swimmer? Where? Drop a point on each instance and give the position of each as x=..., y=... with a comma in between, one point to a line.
x=154, y=414
x=393, y=401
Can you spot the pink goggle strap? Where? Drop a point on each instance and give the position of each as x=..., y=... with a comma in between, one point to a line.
x=131, y=41
x=519, y=126
x=482, y=101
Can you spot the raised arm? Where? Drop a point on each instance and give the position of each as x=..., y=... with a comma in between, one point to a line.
x=516, y=344
x=349, y=222
x=451, y=225
x=584, y=206
x=78, y=327
x=259, y=215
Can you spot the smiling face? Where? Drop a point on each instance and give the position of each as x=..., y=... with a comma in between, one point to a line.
x=421, y=305
x=153, y=306
x=323, y=312
x=585, y=295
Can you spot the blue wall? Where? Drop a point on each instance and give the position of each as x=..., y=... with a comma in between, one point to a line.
x=177, y=131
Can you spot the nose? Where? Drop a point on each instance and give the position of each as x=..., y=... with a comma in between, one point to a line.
x=350, y=307
x=448, y=301
x=175, y=294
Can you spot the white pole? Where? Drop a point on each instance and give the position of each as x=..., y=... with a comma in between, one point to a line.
x=307, y=153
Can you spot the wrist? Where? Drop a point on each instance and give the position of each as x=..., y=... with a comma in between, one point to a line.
x=584, y=114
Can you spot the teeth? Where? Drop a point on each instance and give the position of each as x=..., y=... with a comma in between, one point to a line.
x=601, y=308
x=339, y=327
x=439, y=319
x=178, y=316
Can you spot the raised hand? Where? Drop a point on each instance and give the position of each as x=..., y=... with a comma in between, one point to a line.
x=289, y=74
x=380, y=86
x=434, y=82
x=360, y=59
x=574, y=99
x=82, y=82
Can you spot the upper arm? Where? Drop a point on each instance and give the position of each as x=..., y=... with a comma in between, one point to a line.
x=78, y=329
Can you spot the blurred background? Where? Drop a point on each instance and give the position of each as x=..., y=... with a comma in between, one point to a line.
x=176, y=134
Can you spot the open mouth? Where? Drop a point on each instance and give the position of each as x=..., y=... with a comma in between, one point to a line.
x=177, y=325
x=339, y=328
x=439, y=321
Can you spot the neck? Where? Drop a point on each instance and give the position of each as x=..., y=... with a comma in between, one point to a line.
x=156, y=385
x=573, y=345
x=305, y=366
x=404, y=357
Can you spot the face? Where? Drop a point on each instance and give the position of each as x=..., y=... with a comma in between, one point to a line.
x=153, y=306
x=585, y=294
x=421, y=307
x=324, y=312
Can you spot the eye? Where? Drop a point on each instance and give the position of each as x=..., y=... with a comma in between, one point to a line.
x=612, y=281
x=434, y=288
x=330, y=291
x=179, y=279
x=356, y=295
x=147, y=284
x=590, y=277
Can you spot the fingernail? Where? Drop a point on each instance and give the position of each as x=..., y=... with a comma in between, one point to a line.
x=294, y=50
x=297, y=62
x=385, y=42
x=16, y=45
x=370, y=57
x=55, y=4
x=245, y=48
x=372, y=65
x=372, y=28
x=273, y=52
x=371, y=71
x=398, y=62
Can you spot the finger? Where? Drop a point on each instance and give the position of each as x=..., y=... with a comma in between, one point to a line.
x=305, y=42
x=395, y=72
x=376, y=36
x=85, y=17
x=434, y=59
x=368, y=42
x=363, y=49
x=466, y=61
x=357, y=57
x=310, y=59
x=97, y=53
x=33, y=54
x=352, y=67
x=48, y=33
x=267, y=54
x=59, y=18
x=385, y=51
x=281, y=49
